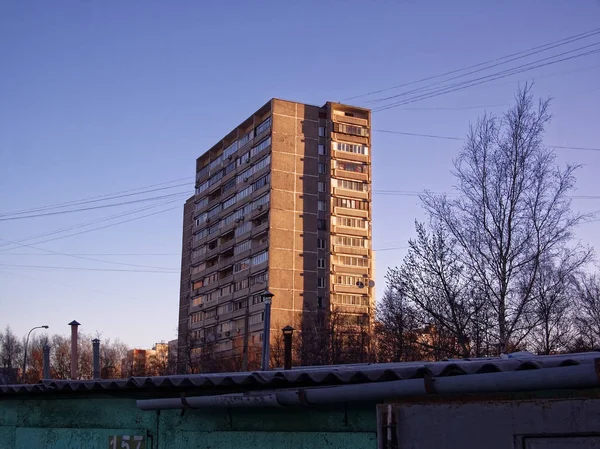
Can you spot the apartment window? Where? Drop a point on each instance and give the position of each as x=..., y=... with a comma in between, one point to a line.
x=351, y=204
x=228, y=220
x=351, y=241
x=350, y=129
x=241, y=285
x=257, y=318
x=261, y=201
x=322, y=150
x=228, y=185
x=261, y=146
x=261, y=182
x=212, y=295
x=210, y=279
x=348, y=166
x=321, y=206
x=355, y=281
x=321, y=263
x=263, y=126
x=244, y=158
x=244, y=193
x=214, y=228
x=351, y=148
x=241, y=266
x=196, y=317
x=351, y=300
x=201, y=204
x=321, y=243
x=229, y=202
x=213, y=244
x=243, y=211
x=321, y=131
x=264, y=162
x=198, y=252
x=351, y=185
x=216, y=178
x=197, y=300
x=260, y=278
x=244, y=246
x=198, y=284
x=322, y=225
x=226, y=290
x=245, y=139
x=321, y=282
x=198, y=269
x=230, y=150
x=319, y=302
x=322, y=169
x=202, y=172
x=321, y=186
x=244, y=228
x=202, y=187
x=352, y=261
x=225, y=308
x=348, y=222
x=215, y=163
x=260, y=258
x=214, y=211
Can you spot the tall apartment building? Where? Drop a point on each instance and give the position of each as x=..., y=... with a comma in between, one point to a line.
x=282, y=203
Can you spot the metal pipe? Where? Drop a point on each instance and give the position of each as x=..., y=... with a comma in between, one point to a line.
x=74, y=356
x=96, y=357
x=586, y=375
x=46, y=362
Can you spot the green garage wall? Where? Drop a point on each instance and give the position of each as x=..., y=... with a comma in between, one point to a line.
x=88, y=422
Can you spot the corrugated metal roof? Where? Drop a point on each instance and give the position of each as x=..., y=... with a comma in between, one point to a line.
x=303, y=377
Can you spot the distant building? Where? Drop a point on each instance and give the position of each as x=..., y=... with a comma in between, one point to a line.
x=282, y=203
x=147, y=362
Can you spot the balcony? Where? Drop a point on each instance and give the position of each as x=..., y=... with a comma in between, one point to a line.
x=350, y=212
x=196, y=276
x=257, y=230
x=260, y=267
x=227, y=228
x=354, y=157
x=262, y=172
x=351, y=138
x=350, y=120
x=260, y=192
x=337, y=173
x=259, y=137
x=226, y=280
x=354, y=194
x=351, y=289
x=260, y=210
x=360, y=232
x=212, y=252
x=351, y=250
x=226, y=262
x=335, y=268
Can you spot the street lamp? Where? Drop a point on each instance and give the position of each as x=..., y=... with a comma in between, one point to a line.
x=26, y=344
x=267, y=298
x=288, y=331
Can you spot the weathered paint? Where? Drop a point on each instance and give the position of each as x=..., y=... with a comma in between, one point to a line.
x=88, y=422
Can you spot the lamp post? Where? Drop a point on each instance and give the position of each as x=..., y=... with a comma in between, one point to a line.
x=26, y=344
x=288, y=332
x=266, y=347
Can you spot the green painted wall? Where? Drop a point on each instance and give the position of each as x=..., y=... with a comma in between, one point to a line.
x=89, y=422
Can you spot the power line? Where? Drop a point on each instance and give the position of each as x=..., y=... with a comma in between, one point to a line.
x=89, y=223
x=106, y=226
x=78, y=203
x=434, y=136
x=99, y=197
x=538, y=48
x=42, y=267
x=58, y=253
x=492, y=77
x=178, y=194
x=92, y=254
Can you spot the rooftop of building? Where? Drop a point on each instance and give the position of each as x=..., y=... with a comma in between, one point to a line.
x=542, y=369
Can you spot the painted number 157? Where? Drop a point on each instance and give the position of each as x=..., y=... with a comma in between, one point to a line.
x=126, y=442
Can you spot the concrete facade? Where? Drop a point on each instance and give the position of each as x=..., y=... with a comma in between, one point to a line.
x=282, y=203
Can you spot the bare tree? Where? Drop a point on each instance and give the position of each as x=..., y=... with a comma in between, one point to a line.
x=587, y=318
x=11, y=350
x=511, y=214
x=433, y=279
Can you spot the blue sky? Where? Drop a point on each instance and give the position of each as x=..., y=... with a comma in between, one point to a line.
x=100, y=97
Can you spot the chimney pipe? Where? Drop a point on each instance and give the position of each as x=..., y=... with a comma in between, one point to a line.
x=74, y=357
x=46, y=361
x=96, y=352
